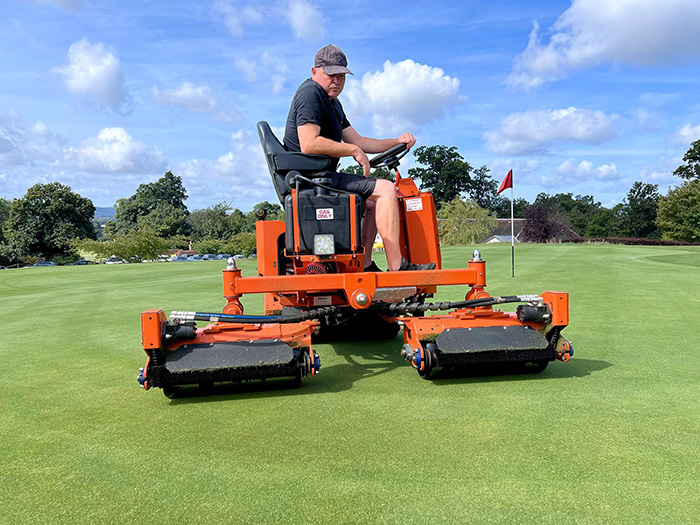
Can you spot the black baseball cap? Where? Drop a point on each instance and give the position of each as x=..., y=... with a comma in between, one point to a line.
x=332, y=60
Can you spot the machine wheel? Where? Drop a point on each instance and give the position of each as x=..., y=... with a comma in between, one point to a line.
x=534, y=367
x=430, y=360
x=171, y=391
x=357, y=326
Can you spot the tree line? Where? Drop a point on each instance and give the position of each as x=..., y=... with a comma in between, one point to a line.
x=52, y=222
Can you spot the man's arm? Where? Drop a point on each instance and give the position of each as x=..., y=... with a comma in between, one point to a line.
x=312, y=142
x=369, y=145
x=354, y=144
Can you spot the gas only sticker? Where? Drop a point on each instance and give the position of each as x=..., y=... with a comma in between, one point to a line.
x=414, y=204
x=324, y=214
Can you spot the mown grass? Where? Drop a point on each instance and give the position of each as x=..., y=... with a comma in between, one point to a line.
x=613, y=436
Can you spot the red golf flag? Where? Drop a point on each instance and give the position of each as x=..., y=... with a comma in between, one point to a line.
x=507, y=182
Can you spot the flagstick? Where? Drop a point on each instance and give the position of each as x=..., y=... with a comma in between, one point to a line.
x=512, y=235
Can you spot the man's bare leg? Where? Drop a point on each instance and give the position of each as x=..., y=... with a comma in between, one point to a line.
x=387, y=220
x=369, y=230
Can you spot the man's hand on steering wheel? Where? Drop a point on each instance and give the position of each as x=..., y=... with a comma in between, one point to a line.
x=387, y=158
x=408, y=139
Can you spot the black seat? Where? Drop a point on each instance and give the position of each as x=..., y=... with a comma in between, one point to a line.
x=280, y=161
x=317, y=209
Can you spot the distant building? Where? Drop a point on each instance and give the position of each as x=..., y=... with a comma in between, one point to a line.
x=176, y=253
x=501, y=233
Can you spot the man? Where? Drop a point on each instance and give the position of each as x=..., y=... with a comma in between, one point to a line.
x=317, y=124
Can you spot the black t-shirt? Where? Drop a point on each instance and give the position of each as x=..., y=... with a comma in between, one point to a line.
x=311, y=104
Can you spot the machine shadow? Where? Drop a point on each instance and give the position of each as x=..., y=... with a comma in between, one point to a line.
x=382, y=357
x=379, y=358
x=487, y=374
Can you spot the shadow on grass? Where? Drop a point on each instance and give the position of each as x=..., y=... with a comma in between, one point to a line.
x=380, y=358
x=555, y=370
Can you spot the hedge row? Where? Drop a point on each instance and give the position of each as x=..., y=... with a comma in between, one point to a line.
x=633, y=241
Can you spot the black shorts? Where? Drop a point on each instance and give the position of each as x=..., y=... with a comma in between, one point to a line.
x=359, y=184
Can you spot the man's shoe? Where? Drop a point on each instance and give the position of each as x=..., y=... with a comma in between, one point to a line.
x=373, y=268
x=405, y=265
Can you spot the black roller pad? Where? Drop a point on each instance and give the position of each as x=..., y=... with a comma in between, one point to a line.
x=492, y=345
x=202, y=357
x=490, y=338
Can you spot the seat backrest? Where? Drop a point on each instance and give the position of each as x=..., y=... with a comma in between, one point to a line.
x=280, y=161
x=271, y=145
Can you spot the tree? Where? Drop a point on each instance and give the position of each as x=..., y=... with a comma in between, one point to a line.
x=6, y=256
x=543, y=223
x=678, y=215
x=575, y=211
x=606, y=223
x=483, y=189
x=159, y=205
x=274, y=213
x=135, y=246
x=243, y=243
x=237, y=222
x=446, y=174
x=45, y=221
x=691, y=169
x=377, y=173
x=640, y=208
x=4, y=214
x=164, y=220
x=210, y=223
x=464, y=222
x=501, y=207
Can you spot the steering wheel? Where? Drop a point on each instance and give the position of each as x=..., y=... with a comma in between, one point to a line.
x=390, y=158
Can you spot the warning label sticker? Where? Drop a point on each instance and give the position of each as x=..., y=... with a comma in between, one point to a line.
x=324, y=214
x=414, y=204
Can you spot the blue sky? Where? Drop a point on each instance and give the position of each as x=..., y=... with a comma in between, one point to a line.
x=585, y=97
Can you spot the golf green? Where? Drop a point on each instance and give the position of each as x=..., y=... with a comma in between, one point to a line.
x=611, y=437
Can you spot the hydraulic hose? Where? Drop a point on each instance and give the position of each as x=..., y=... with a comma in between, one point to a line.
x=318, y=313
x=306, y=315
x=410, y=308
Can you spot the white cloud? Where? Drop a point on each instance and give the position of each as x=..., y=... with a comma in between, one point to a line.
x=93, y=72
x=240, y=175
x=525, y=171
x=657, y=100
x=533, y=131
x=594, y=32
x=500, y=167
x=646, y=119
x=22, y=143
x=403, y=97
x=585, y=171
x=113, y=150
x=686, y=136
x=306, y=21
x=30, y=153
x=236, y=17
x=68, y=5
x=197, y=99
x=268, y=71
x=661, y=172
